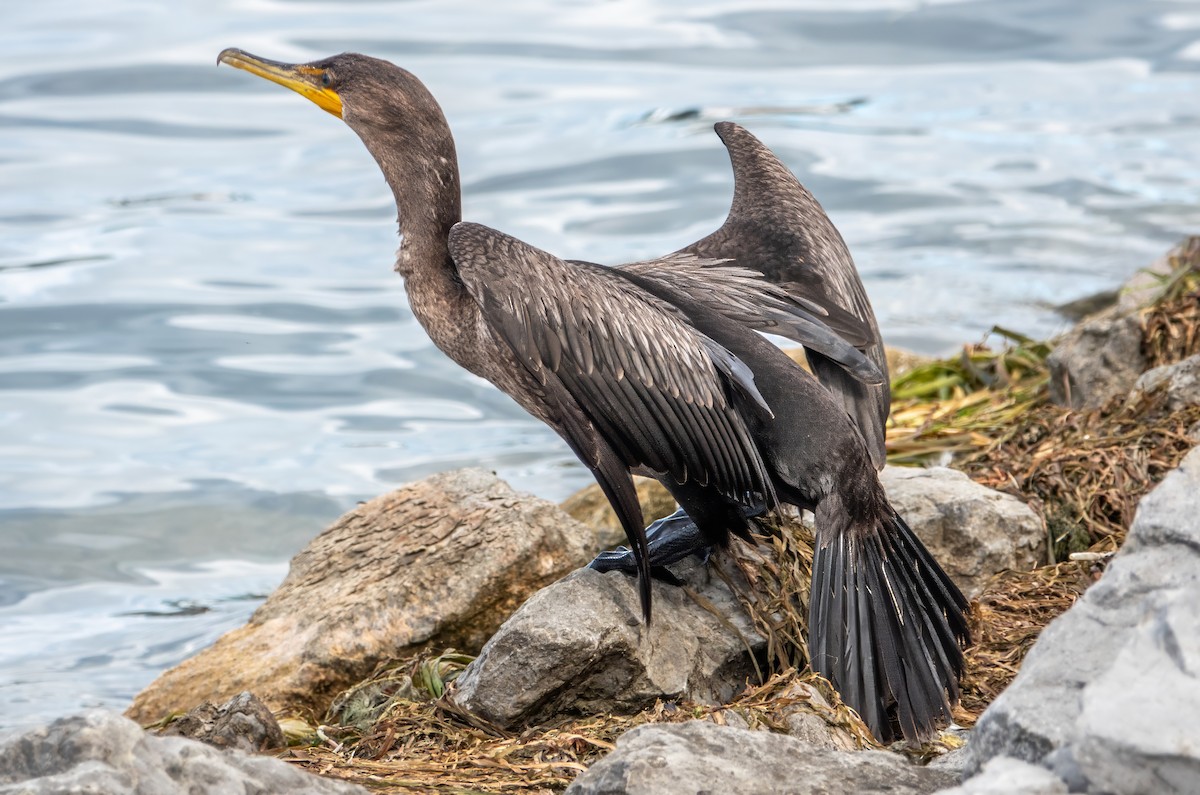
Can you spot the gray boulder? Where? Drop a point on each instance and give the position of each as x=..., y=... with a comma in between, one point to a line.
x=440, y=562
x=242, y=722
x=1101, y=357
x=103, y=753
x=1181, y=381
x=1108, y=697
x=1007, y=776
x=581, y=646
x=701, y=757
x=1097, y=360
x=971, y=530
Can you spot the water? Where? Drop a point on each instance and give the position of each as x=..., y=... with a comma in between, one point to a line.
x=205, y=356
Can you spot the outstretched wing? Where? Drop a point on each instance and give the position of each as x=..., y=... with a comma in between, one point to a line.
x=745, y=296
x=641, y=381
x=778, y=228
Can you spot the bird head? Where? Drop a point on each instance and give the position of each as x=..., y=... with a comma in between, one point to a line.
x=369, y=94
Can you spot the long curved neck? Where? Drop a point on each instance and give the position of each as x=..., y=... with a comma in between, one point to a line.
x=423, y=176
x=422, y=170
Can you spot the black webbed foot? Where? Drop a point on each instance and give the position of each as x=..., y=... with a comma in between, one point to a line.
x=669, y=540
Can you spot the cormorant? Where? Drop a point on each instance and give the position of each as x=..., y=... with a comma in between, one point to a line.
x=657, y=368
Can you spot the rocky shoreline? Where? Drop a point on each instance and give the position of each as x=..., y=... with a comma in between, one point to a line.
x=1104, y=702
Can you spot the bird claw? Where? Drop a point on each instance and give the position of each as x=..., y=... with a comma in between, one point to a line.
x=669, y=540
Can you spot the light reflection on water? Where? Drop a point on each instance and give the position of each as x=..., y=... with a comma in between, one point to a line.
x=205, y=356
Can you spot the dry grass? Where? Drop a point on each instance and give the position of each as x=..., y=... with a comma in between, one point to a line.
x=1006, y=619
x=415, y=742
x=989, y=412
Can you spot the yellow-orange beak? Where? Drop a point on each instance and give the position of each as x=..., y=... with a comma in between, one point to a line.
x=301, y=78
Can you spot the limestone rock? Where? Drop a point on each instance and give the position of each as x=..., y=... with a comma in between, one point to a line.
x=701, y=757
x=804, y=720
x=102, y=752
x=243, y=722
x=1108, y=696
x=1007, y=776
x=1146, y=285
x=971, y=530
x=1181, y=381
x=1102, y=357
x=954, y=762
x=1097, y=360
x=439, y=562
x=580, y=646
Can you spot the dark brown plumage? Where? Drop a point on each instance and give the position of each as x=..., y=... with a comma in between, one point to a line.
x=657, y=367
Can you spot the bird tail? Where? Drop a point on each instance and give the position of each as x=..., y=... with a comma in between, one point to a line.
x=886, y=625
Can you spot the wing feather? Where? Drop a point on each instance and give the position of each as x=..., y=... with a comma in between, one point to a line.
x=745, y=295
x=777, y=228
x=659, y=391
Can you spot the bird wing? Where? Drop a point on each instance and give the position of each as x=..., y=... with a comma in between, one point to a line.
x=775, y=226
x=637, y=378
x=745, y=296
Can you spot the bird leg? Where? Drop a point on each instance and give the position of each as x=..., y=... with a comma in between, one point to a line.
x=669, y=540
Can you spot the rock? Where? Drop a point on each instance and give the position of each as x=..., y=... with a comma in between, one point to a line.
x=804, y=719
x=701, y=757
x=798, y=710
x=1097, y=360
x=1080, y=308
x=1146, y=285
x=971, y=530
x=441, y=562
x=1108, y=695
x=1137, y=731
x=1181, y=381
x=102, y=752
x=1006, y=776
x=243, y=722
x=580, y=646
x=953, y=762
x=1102, y=357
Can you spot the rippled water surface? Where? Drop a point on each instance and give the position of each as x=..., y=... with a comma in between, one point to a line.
x=205, y=355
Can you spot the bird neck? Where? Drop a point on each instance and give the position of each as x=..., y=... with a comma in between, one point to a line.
x=428, y=204
x=422, y=171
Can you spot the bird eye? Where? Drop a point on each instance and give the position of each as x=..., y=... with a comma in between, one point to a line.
x=326, y=79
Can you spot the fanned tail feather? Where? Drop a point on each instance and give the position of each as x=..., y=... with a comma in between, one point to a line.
x=887, y=626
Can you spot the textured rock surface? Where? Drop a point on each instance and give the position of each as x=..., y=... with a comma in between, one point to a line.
x=970, y=529
x=1180, y=380
x=242, y=722
x=580, y=645
x=102, y=752
x=1108, y=696
x=1101, y=357
x=701, y=757
x=440, y=562
x=1097, y=360
x=803, y=720
x=1007, y=776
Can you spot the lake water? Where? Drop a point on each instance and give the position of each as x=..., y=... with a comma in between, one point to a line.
x=205, y=355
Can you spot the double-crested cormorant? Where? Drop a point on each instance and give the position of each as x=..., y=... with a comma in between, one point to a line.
x=657, y=367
